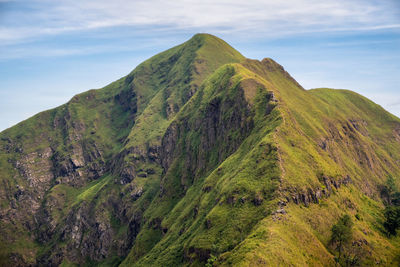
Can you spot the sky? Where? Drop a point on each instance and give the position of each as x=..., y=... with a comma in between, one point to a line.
x=51, y=50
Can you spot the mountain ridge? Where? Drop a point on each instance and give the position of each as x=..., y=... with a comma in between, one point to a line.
x=196, y=153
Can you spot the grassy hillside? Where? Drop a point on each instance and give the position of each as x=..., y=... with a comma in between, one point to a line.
x=198, y=155
x=325, y=133
x=230, y=225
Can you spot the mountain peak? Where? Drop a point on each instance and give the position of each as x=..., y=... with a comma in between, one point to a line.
x=214, y=48
x=206, y=37
x=180, y=72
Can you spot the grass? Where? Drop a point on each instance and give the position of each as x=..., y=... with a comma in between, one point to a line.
x=308, y=116
x=226, y=231
x=92, y=189
x=235, y=155
x=183, y=67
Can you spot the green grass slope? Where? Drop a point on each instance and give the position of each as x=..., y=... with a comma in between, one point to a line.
x=306, y=121
x=198, y=155
x=318, y=133
x=179, y=72
x=217, y=210
x=37, y=152
x=325, y=133
x=61, y=159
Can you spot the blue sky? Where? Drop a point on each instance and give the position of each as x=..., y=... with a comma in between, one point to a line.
x=51, y=50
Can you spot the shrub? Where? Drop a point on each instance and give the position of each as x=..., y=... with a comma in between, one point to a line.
x=392, y=216
x=342, y=233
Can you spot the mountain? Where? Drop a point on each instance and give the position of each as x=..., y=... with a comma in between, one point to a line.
x=198, y=155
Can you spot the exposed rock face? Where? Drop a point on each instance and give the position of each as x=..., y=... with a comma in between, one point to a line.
x=142, y=163
x=315, y=195
x=36, y=169
x=83, y=162
x=348, y=135
x=215, y=131
x=89, y=234
x=70, y=156
x=97, y=243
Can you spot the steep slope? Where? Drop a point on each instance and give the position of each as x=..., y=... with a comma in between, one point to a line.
x=303, y=161
x=335, y=148
x=198, y=153
x=55, y=165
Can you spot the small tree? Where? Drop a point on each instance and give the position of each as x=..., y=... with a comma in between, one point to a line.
x=388, y=190
x=392, y=210
x=391, y=185
x=342, y=233
x=392, y=216
x=396, y=199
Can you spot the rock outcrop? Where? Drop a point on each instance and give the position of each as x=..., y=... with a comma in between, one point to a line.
x=311, y=195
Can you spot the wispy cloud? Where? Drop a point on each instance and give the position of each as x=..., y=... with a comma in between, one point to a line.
x=394, y=104
x=42, y=51
x=44, y=17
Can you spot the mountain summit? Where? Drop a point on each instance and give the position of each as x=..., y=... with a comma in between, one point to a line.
x=199, y=156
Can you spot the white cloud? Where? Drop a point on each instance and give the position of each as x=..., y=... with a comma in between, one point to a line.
x=256, y=16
